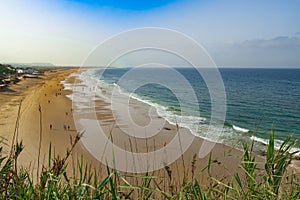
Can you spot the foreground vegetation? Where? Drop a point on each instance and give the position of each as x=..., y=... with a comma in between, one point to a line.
x=268, y=182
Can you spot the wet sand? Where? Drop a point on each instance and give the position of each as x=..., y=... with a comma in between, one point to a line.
x=126, y=126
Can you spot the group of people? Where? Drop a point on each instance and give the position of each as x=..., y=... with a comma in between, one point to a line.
x=58, y=93
x=66, y=127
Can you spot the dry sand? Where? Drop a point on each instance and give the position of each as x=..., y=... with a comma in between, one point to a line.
x=55, y=110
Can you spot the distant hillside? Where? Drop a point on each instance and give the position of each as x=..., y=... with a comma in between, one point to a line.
x=5, y=68
x=35, y=64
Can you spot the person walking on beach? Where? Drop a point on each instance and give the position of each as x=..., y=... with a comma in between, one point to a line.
x=68, y=127
x=65, y=127
x=164, y=143
x=50, y=126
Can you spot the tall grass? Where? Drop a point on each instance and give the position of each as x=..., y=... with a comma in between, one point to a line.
x=255, y=180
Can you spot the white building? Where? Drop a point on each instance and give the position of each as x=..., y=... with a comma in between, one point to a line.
x=20, y=71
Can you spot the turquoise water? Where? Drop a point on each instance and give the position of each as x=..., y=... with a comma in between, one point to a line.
x=257, y=99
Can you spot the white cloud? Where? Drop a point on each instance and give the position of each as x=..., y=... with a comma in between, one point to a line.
x=280, y=51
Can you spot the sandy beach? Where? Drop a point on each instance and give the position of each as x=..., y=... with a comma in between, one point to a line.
x=57, y=127
x=47, y=94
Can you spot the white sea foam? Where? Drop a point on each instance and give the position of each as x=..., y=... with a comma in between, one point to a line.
x=240, y=129
x=277, y=144
x=190, y=122
x=182, y=120
x=186, y=121
x=257, y=139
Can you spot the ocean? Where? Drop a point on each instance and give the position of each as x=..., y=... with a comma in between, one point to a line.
x=257, y=100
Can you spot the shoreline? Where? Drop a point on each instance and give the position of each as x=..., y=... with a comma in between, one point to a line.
x=219, y=150
x=225, y=159
x=114, y=122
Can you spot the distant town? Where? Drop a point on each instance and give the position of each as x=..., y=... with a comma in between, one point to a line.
x=11, y=75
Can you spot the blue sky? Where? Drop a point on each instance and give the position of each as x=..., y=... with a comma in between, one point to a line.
x=136, y=5
x=235, y=33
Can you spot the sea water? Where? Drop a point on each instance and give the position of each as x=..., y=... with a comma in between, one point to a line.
x=257, y=100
